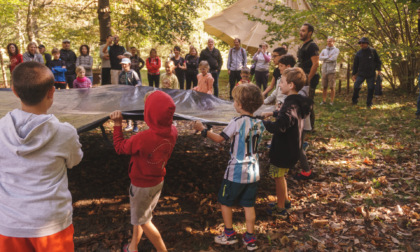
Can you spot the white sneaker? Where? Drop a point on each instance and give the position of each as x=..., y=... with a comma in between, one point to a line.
x=226, y=240
x=322, y=103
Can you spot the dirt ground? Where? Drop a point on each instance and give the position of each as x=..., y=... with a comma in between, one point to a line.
x=188, y=216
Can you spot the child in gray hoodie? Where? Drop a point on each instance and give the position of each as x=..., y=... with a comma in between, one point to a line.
x=35, y=152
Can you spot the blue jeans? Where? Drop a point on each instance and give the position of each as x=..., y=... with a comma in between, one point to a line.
x=371, y=88
x=216, y=83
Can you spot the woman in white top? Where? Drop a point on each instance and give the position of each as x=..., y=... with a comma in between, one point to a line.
x=262, y=58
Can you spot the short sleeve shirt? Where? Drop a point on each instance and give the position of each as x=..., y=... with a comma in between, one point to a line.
x=244, y=133
x=305, y=53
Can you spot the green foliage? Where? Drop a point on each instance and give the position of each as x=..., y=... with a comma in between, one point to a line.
x=391, y=26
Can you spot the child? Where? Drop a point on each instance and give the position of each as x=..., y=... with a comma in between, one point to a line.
x=128, y=76
x=285, y=62
x=242, y=174
x=86, y=61
x=287, y=134
x=150, y=151
x=81, y=81
x=205, y=79
x=169, y=79
x=58, y=67
x=36, y=151
x=153, y=68
x=245, y=76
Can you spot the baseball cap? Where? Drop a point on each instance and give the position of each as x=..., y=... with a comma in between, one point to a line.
x=125, y=61
x=66, y=41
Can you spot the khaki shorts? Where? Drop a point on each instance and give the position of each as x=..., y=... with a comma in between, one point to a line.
x=142, y=203
x=328, y=80
x=277, y=172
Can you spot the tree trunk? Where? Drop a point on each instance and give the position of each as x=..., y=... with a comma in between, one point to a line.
x=30, y=21
x=3, y=70
x=104, y=16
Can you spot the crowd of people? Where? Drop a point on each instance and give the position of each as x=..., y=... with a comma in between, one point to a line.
x=35, y=203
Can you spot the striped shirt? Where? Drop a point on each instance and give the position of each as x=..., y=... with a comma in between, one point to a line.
x=245, y=134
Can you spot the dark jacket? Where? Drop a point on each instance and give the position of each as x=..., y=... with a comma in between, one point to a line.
x=192, y=63
x=287, y=130
x=69, y=57
x=366, y=62
x=114, y=52
x=214, y=58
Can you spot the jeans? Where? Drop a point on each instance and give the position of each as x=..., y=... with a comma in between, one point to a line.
x=234, y=77
x=261, y=78
x=191, y=77
x=181, y=78
x=215, y=75
x=153, y=79
x=371, y=89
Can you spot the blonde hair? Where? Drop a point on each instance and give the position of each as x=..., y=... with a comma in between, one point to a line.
x=249, y=96
x=169, y=62
x=80, y=68
x=205, y=64
x=147, y=95
x=30, y=44
x=295, y=75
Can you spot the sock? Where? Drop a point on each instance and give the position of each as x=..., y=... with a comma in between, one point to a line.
x=229, y=231
x=304, y=173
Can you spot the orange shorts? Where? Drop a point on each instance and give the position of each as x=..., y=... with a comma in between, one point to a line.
x=61, y=241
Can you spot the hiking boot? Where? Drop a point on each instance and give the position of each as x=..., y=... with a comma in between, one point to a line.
x=280, y=213
x=226, y=239
x=250, y=242
x=287, y=204
x=301, y=176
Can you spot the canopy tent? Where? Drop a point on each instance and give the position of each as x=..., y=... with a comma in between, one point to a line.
x=233, y=23
x=87, y=109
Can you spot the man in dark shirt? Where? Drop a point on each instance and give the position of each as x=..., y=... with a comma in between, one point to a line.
x=366, y=63
x=69, y=57
x=116, y=53
x=308, y=60
x=214, y=58
x=46, y=56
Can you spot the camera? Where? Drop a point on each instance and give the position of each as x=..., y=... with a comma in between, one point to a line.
x=260, y=46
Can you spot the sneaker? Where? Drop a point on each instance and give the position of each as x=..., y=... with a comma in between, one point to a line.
x=129, y=128
x=305, y=146
x=250, y=242
x=225, y=239
x=280, y=213
x=301, y=176
x=322, y=103
x=287, y=204
x=135, y=128
x=331, y=103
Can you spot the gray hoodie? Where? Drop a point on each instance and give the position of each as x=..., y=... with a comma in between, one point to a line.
x=35, y=152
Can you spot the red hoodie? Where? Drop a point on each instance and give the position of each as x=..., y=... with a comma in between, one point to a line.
x=150, y=149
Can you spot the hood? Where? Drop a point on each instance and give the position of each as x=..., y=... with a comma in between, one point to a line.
x=24, y=133
x=305, y=104
x=158, y=112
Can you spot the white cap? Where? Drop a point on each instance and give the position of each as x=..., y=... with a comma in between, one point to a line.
x=125, y=61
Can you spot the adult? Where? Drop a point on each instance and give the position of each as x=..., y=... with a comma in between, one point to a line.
x=116, y=53
x=308, y=60
x=86, y=61
x=328, y=57
x=14, y=56
x=275, y=57
x=153, y=65
x=366, y=63
x=214, y=58
x=45, y=56
x=180, y=66
x=105, y=62
x=32, y=54
x=137, y=63
x=236, y=61
x=262, y=58
x=69, y=57
x=191, y=61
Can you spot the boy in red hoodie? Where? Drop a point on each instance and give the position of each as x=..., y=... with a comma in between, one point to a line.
x=150, y=151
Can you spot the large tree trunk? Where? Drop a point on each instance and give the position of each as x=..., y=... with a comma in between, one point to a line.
x=3, y=69
x=104, y=16
x=30, y=19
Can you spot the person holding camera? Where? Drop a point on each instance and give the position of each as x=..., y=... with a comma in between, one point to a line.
x=116, y=53
x=262, y=58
